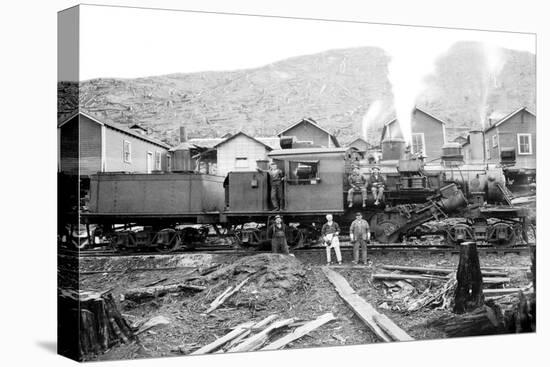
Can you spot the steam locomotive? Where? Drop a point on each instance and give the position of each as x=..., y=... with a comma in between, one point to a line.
x=165, y=211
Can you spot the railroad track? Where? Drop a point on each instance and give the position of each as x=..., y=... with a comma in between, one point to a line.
x=377, y=248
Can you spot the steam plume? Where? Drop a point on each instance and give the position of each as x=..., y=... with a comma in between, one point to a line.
x=370, y=117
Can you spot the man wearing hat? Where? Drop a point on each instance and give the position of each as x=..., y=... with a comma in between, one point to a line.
x=330, y=232
x=377, y=184
x=357, y=182
x=359, y=234
x=277, y=233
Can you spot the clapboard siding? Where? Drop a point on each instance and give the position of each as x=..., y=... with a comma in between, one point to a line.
x=240, y=146
x=522, y=122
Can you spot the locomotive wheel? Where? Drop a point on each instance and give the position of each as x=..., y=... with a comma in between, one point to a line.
x=385, y=232
x=460, y=230
x=511, y=236
x=173, y=243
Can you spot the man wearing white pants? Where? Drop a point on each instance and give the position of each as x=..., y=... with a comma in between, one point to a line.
x=330, y=233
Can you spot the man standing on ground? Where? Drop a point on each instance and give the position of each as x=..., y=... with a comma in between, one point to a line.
x=330, y=232
x=277, y=233
x=359, y=234
x=357, y=182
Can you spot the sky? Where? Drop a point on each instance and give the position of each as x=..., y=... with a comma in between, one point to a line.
x=130, y=43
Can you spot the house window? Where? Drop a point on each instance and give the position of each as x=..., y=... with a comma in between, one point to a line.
x=487, y=149
x=418, y=144
x=524, y=144
x=127, y=151
x=303, y=172
x=495, y=141
x=158, y=161
x=168, y=163
x=241, y=162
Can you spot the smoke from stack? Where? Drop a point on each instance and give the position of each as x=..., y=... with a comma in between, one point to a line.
x=494, y=62
x=370, y=118
x=407, y=70
x=183, y=134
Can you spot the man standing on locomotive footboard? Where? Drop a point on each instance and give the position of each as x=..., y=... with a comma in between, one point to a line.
x=359, y=234
x=276, y=176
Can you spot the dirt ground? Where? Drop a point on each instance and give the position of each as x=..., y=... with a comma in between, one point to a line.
x=306, y=296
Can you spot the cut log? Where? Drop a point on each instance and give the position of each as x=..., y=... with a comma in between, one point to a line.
x=256, y=341
x=501, y=292
x=533, y=255
x=156, y=282
x=444, y=271
x=469, y=289
x=139, y=294
x=393, y=276
x=225, y=295
x=359, y=306
x=218, y=343
x=301, y=331
x=495, y=280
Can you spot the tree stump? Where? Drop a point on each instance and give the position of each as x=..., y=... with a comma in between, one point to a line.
x=97, y=321
x=469, y=290
x=533, y=253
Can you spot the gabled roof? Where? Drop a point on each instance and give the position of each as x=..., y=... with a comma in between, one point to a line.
x=197, y=143
x=117, y=127
x=243, y=134
x=508, y=116
x=358, y=139
x=394, y=119
x=312, y=122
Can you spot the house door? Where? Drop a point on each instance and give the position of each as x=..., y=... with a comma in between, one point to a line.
x=149, y=162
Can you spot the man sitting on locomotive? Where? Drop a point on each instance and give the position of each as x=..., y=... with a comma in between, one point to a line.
x=330, y=233
x=277, y=233
x=377, y=184
x=357, y=182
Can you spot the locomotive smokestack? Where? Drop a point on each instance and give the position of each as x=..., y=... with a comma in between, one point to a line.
x=393, y=149
x=183, y=134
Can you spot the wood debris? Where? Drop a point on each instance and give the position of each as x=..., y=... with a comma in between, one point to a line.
x=368, y=314
x=138, y=294
x=225, y=295
x=299, y=332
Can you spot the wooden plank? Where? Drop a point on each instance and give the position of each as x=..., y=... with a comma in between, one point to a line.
x=392, y=276
x=501, y=292
x=301, y=331
x=359, y=306
x=429, y=270
x=218, y=343
x=391, y=329
x=257, y=340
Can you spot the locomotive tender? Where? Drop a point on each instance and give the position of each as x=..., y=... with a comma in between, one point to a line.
x=163, y=205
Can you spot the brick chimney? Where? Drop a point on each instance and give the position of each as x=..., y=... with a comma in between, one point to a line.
x=183, y=134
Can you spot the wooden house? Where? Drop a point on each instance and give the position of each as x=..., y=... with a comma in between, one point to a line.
x=241, y=152
x=308, y=130
x=428, y=133
x=514, y=134
x=88, y=145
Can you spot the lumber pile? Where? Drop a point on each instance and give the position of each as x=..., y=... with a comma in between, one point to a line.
x=101, y=324
x=251, y=336
x=384, y=328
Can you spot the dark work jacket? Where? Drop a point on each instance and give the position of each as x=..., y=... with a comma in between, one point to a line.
x=377, y=180
x=275, y=231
